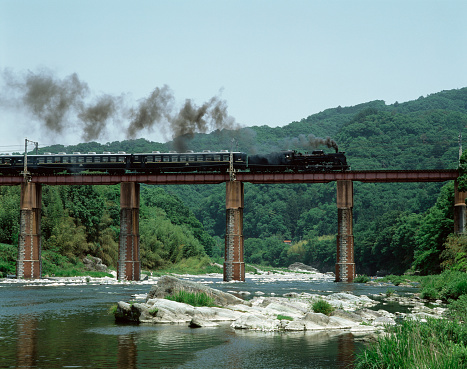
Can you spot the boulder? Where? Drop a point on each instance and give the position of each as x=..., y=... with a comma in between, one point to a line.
x=92, y=263
x=256, y=323
x=197, y=322
x=302, y=267
x=168, y=285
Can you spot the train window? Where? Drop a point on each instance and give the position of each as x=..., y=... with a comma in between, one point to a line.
x=105, y=159
x=40, y=160
x=209, y=158
x=217, y=158
x=174, y=158
x=182, y=158
x=225, y=157
x=49, y=160
x=191, y=158
x=157, y=158
x=73, y=159
x=57, y=159
x=6, y=160
x=113, y=159
x=121, y=159
x=97, y=159
x=199, y=158
x=166, y=159
x=81, y=159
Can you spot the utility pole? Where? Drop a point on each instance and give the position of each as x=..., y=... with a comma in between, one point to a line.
x=26, y=173
x=231, y=163
x=460, y=146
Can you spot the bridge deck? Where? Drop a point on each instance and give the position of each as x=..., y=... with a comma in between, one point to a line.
x=434, y=175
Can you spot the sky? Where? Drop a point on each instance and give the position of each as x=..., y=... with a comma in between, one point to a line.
x=267, y=62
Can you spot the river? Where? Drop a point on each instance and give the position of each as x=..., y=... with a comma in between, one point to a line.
x=69, y=326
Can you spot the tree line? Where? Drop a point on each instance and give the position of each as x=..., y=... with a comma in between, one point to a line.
x=397, y=227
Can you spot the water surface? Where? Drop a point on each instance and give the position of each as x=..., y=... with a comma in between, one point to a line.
x=69, y=327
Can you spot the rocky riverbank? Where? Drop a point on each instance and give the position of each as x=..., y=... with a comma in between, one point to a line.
x=291, y=312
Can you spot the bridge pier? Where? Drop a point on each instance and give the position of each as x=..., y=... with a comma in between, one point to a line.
x=345, y=265
x=129, y=265
x=459, y=210
x=28, y=264
x=234, y=266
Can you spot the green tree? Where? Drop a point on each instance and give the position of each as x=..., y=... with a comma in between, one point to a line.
x=436, y=225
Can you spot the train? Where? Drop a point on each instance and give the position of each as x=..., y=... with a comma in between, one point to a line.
x=173, y=162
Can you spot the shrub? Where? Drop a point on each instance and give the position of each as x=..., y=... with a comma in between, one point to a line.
x=153, y=311
x=457, y=309
x=362, y=279
x=447, y=285
x=113, y=309
x=322, y=306
x=438, y=343
x=192, y=298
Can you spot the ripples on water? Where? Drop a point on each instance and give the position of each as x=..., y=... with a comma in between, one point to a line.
x=69, y=326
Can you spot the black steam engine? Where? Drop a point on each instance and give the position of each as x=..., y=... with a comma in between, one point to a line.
x=157, y=162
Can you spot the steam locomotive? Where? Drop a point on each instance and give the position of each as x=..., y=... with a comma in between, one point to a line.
x=158, y=162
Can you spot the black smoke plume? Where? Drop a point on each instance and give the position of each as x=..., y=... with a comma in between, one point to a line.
x=312, y=142
x=59, y=104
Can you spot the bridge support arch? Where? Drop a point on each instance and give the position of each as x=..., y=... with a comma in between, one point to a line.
x=129, y=265
x=234, y=266
x=28, y=263
x=345, y=265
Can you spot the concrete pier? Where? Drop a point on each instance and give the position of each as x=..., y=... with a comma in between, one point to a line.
x=28, y=264
x=234, y=266
x=345, y=265
x=129, y=264
x=459, y=210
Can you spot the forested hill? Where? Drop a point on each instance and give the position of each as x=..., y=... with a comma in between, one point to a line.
x=388, y=218
x=413, y=134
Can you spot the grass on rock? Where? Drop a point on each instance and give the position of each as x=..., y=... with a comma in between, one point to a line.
x=192, y=298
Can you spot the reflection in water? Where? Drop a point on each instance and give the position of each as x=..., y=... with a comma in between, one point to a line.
x=345, y=351
x=345, y=287
x=69, y=326
x=26, y=349
x=127, y=352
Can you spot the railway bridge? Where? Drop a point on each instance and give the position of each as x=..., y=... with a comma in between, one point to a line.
x=129, y=265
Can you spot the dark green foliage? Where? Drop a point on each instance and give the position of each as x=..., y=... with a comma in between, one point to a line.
x=8, y=256
x=55, y=264
x=322, y=306
x=448, y=285
x=457, y=309
x=411, y=344
x=363, y=278
x=178, y=214
x=9, y=214
x=454, y=255
x=437, y=224
x=388, y=218
x=396, y=226
x=396, y=280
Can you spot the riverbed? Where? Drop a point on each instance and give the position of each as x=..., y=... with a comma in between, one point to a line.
x=66, y=324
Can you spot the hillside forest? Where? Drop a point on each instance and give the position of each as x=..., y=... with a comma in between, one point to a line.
x=398, y=228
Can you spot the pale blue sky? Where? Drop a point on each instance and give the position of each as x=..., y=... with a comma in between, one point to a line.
x=275, y=61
